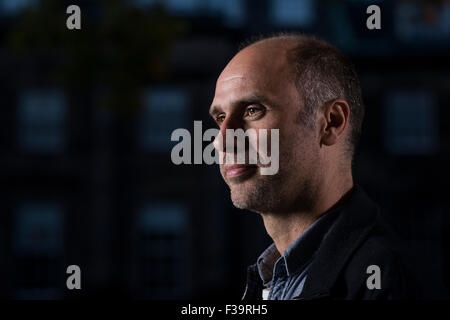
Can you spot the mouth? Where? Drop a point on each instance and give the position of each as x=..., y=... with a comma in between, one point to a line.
x=239, y=170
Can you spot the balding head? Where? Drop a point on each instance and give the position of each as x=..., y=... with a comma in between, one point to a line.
x=268, y=56
x=280, y=83
x=265, y=62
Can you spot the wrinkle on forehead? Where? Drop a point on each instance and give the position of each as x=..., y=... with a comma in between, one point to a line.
x=231, y=78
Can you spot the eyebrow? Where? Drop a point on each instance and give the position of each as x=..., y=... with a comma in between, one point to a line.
x=244, y=101
x=214, y=110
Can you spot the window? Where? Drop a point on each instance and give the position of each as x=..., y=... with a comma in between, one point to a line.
x=293, y=13
x=38, y=229
x=164, y=111
x=411, y=122
x=14, y=6
x=163, y=244
x=422, y=21
x=41, y=121
x=38, y=245
x=233, y=11
x=183, y=6
x=174, y=6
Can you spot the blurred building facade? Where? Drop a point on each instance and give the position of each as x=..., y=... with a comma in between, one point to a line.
x=94, y=186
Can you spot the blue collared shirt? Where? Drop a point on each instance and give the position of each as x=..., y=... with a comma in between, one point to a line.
x=285, y=275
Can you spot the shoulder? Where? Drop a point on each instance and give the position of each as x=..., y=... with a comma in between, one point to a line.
x=361, y=257
x=379, y=268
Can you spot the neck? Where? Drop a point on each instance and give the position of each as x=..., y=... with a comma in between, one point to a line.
x=285, y=228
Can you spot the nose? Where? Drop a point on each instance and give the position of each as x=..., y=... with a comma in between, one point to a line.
x=220, y=141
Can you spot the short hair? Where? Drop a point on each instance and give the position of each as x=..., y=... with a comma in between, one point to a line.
x=322, y=73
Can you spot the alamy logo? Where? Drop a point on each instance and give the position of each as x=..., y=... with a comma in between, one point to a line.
x=374, y=280
x=74, y=280
x=74, y=20
x=374, y=20
x=240, y=147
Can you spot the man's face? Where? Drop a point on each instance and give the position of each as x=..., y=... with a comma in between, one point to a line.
x=256, y=91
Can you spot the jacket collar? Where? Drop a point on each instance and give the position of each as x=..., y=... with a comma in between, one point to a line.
x=349, y=230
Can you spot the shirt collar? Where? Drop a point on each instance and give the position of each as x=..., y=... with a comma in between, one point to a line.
x=299, y=253
x=266, y=263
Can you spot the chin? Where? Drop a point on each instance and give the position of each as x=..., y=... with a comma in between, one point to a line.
x=241, y=196
x=249, y=199
x=246, y=204
x=243, y=204
x=256, y=193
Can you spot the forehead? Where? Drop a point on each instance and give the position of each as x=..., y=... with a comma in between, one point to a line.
x=255, y=72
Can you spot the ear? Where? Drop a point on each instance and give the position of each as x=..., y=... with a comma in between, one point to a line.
x=335, y=117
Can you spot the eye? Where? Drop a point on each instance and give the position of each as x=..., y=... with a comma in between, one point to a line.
x=253, y=111
x=220, y=118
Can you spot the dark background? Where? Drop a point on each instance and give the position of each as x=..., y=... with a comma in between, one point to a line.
x=86, y=116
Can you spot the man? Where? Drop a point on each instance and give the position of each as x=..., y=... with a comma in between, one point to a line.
x=328, y=238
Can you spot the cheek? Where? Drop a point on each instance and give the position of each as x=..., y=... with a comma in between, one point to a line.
x=298, y=147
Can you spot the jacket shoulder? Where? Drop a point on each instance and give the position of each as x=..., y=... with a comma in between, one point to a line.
x=378, y=269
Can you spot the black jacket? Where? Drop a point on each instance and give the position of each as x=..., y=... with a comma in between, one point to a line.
x=359, y=238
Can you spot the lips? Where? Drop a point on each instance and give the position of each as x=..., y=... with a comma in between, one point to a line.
x=233, y=171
